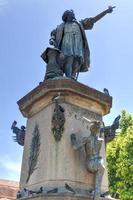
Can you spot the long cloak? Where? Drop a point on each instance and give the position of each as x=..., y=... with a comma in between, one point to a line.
x=84, y=24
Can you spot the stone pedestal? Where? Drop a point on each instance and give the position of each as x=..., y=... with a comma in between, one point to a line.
x=64, y=197
x=51, y=57
x=57, y=165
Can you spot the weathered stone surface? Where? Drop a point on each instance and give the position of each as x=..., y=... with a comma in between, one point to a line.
x=64, y=197
x=58, y=163
x=8, y=189
x=70, y=91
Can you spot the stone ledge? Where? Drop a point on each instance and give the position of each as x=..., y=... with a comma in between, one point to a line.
x=64, y=197
x=67, y=88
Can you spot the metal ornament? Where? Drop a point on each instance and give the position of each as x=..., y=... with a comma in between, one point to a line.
x=19, y=136
x=58, y=121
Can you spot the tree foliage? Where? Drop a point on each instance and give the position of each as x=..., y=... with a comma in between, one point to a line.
x=120, y=160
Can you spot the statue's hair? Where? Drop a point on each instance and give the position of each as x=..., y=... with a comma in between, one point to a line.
x=66, y=13
x=22, y=127
x=95, y=125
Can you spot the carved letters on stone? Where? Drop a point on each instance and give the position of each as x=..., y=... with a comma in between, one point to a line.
x=34, y=152
x=58, y=121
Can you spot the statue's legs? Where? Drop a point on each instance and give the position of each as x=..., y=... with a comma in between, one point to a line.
x=72, y=66
x=98, y=180
x=68, y=66
x=75, y=67
x=95, y=166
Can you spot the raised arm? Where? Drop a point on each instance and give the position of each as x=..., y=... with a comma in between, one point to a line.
x=14, y=128
x=88, y=23
x=102, y=14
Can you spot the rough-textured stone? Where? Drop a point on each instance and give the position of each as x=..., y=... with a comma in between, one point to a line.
x=64, y=197
x=8, y=189
x=57, y=162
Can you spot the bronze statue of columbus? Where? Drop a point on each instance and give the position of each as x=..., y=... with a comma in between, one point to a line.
x=69, y=37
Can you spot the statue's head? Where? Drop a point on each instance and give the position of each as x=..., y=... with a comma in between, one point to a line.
x=95, y=127
x=68, y=16
x=23, y=128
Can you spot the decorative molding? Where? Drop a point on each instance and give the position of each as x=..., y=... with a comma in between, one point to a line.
x=34, y=152
x=58, y=121
x=70, y=90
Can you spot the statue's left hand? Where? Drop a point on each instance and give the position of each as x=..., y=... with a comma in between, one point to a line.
x=110, y=9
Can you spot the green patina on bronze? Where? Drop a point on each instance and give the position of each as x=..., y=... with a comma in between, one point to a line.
x=34, y=152
x=58, y=121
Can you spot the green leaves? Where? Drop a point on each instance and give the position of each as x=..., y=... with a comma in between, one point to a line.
x=126, y=122
x=120, y=160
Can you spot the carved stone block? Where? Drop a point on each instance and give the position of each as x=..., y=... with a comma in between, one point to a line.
x=58, y=163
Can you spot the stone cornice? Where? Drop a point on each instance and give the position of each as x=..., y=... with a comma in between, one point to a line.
x=69, y=91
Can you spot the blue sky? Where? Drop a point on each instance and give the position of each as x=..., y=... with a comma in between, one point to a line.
x=25, y=26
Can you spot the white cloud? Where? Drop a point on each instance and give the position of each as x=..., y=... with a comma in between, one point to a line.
x=3, y=2
x=11, y=165
x=10, y=169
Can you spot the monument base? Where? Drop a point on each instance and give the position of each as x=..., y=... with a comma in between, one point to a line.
x=56, y=109
x=65, y=197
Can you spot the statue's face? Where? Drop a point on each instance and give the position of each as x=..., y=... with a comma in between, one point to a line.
x=95, y=127
x=22, y=127
x=70, y=17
